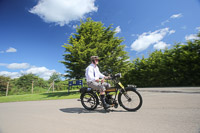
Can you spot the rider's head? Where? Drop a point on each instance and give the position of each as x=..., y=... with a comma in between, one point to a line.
x=94, y=59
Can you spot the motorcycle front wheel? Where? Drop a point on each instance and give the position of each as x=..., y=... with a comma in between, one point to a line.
x=89, y=100
x=130, y=100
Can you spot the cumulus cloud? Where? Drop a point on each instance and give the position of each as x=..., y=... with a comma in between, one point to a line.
x=62, y=12
x=148, y=38
x=191, y=37
x=161, y=45
x=118, y=29
x=10, y=74
x=11, y=50
x=18, y=66
x=42, y=72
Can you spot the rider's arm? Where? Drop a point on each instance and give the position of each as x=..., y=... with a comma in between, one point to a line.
x=100, y=74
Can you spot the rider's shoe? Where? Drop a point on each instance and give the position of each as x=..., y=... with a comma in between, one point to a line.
x=105, y=105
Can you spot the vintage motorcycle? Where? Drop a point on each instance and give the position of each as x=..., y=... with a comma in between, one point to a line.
x=128, y=97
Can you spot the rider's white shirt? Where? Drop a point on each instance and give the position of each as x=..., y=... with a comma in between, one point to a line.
x=92, y=73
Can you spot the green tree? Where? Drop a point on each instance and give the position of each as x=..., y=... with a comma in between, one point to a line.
x=179, y=66
x=55, y=77
x=3, y=82
x=25, y=82
x=92, y=38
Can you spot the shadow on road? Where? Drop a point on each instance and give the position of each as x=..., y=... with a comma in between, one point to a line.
x=82, y=110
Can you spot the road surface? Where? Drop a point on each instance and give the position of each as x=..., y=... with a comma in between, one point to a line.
x=164, y=110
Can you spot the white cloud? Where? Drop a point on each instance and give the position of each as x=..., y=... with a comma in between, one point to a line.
x=126, y=46
x=62, y=12
x=127, y=60
x=161, y=45
x=148, y=38
x=42, y=72
x=18, y=66
x=164, y=22
x=198, y=28
x=74, y=26
x=191, y=37
x=11, y=50
x=176, y=16
x=172, y=31
x=118, y=29
x=134, y=35
x=10, y=74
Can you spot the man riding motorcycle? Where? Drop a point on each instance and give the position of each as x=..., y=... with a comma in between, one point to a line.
x=93, y=76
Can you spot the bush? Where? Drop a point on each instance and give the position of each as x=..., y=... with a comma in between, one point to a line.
x=179, y=66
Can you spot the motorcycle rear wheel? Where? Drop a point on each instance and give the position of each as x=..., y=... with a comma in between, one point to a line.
x=89, y=100
x=131, y=100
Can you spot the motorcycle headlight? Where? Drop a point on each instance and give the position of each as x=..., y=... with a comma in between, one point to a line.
x=118, y=75
x=132, y=86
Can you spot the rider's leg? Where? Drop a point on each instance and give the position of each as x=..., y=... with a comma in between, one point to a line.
x=102, y=95
x=101, y=88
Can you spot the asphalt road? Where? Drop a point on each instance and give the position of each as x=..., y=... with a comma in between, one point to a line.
x=166, y=110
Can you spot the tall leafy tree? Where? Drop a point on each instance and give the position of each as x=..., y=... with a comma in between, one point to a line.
x=92, y=38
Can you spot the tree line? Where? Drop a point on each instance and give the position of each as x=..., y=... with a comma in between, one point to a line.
x=24, y=84
x=178, y=66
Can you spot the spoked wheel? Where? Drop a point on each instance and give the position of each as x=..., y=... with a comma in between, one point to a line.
x=130, y=100
x=89, y=101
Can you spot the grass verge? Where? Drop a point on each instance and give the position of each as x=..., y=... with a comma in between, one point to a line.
x=41, y=96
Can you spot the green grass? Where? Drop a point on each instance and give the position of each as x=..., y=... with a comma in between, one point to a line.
x=41, y=96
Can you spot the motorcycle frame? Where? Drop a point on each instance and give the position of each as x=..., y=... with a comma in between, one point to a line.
x=119, y=88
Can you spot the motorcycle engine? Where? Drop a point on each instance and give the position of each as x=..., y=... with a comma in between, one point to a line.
x=109, y=99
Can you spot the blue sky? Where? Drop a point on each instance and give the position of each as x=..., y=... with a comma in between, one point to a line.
x=32, y=32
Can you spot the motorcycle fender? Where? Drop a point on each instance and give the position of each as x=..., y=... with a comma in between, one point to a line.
x=85, y=89
x=134, y=88
x=126, y=88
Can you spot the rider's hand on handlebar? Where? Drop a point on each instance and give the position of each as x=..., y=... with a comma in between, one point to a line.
x=97, y=80
x=107, y=77
x=102, y=80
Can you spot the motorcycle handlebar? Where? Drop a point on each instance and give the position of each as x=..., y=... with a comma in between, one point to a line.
x=118, y=75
